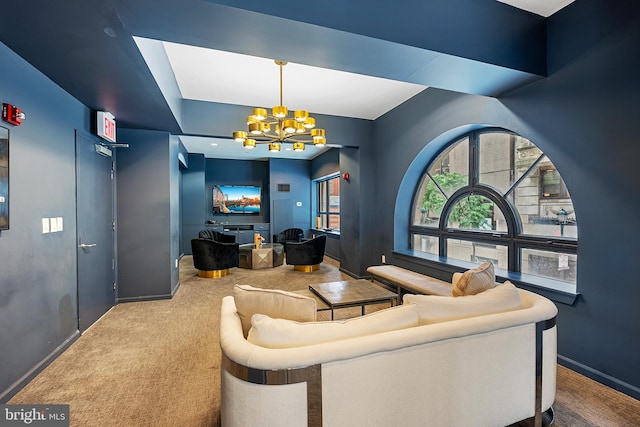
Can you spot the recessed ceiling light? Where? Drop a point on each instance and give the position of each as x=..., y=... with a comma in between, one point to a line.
x=215, y=144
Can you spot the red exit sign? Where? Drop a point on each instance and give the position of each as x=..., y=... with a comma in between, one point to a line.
x=106, y=126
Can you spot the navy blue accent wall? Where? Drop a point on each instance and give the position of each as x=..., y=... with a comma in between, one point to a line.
x=175, y=211
x=193, y=200
x=584, y=116
x=357, y=203
x=38, y=279
x=148, y=204
x=325, y=164
x=285, y=212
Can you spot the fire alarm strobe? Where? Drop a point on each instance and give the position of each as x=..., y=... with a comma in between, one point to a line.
x=12, y=114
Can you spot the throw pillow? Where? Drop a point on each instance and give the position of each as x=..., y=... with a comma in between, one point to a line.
x=280, y=333
x=272, y=302
x=436, y=309
x=475, y=280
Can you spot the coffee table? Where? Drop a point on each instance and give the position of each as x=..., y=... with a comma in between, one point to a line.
x=268, y=256
x=352, y=293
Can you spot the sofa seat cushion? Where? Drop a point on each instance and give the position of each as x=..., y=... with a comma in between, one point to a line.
x=436, y=309
x=272, y=302
x=474, y=281
x=281, y=333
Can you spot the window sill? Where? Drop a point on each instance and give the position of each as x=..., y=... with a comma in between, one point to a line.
x=561, y=292
x=328, y=232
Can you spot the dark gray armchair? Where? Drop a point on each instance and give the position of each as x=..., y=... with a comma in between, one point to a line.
x=214, y=259
x=217, y=236
x=306, y=256
x=287, y=236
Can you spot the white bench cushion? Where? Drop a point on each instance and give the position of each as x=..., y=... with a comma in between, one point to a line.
x=410, y=280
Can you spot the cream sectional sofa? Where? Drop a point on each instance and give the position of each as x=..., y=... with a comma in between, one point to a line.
x=482, y=360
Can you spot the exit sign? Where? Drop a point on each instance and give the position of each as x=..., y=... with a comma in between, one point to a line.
x=106, y=126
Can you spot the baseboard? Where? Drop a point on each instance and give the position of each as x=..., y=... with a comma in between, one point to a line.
x=600, y=377
x=175, y=289
x=145, y=298
x=33, y=372
x=349, y=273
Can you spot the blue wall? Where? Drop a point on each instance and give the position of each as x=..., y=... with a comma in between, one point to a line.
x=193, y=206
x=584, y=116
x=148, y=215
x=38, y=280
x=285, y=211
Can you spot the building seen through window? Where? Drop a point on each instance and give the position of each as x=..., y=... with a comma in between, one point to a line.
x=328, y=203
x=494, y=195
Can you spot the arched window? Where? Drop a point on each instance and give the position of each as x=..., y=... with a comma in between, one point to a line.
x=494, y=195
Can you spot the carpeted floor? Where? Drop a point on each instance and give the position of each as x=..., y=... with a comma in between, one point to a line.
x=156, y=363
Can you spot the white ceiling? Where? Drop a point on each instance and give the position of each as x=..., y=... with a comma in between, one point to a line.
x=544, y=8
x=231, y=78
x=219, y=148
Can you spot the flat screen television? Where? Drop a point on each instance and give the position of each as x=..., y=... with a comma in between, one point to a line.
x=236, y=199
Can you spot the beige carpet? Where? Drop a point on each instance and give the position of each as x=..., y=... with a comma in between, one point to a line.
x=156, y=363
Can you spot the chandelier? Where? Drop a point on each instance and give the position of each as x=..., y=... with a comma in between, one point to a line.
x=278, y=128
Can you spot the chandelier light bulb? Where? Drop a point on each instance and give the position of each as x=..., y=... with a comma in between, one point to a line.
x=249, y=144
x=274, y=147
x=290, y=126
x=255, y=128
x=317, y=133
x=300, y=115
x=280, y=111
x=259, y=114
x=298, y=146
x=239, y=136
x=309, y=123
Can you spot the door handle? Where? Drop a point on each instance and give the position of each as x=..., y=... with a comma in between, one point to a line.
x=84, y=246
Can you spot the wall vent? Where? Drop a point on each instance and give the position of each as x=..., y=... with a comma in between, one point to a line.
x=284, y=188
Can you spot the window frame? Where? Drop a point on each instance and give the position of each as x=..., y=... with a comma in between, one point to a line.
x=328, y=213
x=514, y=238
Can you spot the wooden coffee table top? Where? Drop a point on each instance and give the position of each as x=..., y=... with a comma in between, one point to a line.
x=351, y=292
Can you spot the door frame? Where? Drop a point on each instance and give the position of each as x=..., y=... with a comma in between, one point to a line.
x=90, y=138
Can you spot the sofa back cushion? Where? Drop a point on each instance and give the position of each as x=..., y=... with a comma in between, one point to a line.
x=474, y=281
x=436, y=309
x=272, y=302
x=280, y=333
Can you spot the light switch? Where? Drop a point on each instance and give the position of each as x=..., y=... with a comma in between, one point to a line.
x=59, y=221
x=53, y=225
x=45, y=225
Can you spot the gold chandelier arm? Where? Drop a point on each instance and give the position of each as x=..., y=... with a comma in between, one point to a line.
x=280, y=64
